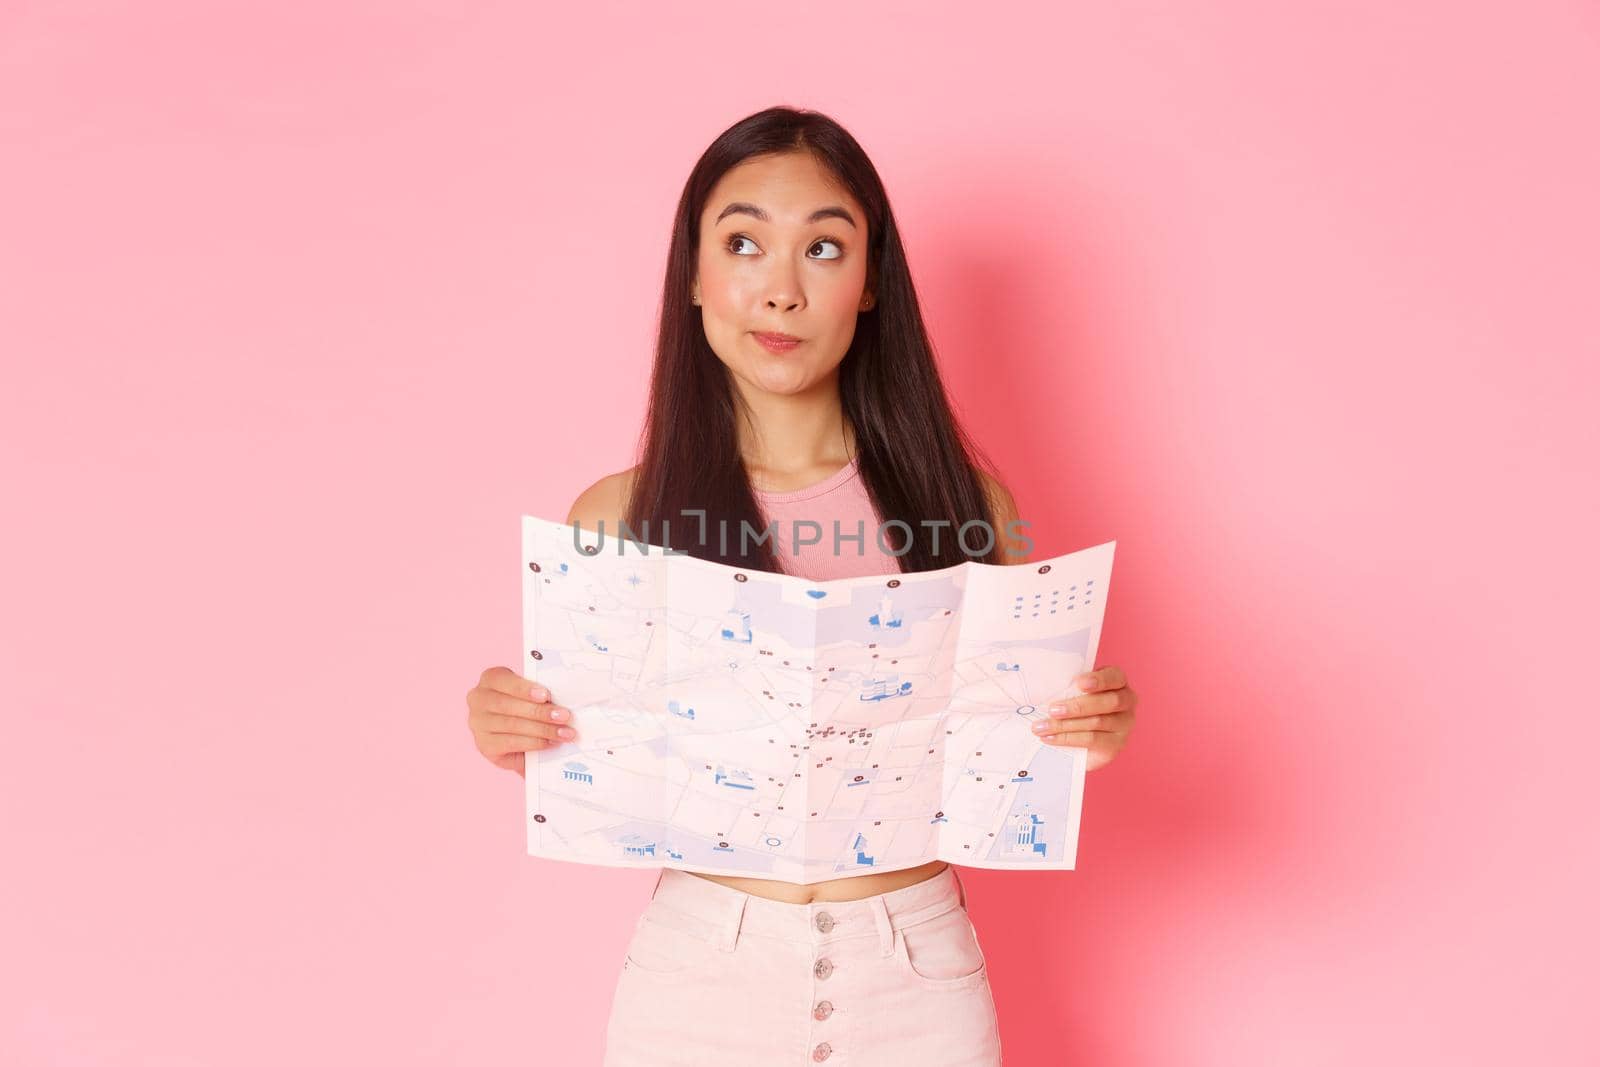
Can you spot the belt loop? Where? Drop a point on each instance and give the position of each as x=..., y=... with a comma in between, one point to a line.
x=960, y=888
x=880, y=918
x=728, y=936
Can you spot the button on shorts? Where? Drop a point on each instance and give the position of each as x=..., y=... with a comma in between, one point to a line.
x=716, y=975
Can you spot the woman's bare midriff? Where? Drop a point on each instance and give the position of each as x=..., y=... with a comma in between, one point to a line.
x=834, y=889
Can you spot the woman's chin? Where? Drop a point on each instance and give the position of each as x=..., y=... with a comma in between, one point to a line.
x=784, y=379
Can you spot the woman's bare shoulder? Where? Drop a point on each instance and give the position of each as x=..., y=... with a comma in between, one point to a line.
x=606, y=499
x=1004, y=508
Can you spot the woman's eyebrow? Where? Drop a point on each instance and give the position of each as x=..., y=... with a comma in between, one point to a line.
x=832, y=211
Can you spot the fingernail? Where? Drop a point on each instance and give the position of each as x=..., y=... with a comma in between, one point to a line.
x=1058, y=710
x=567, y=731
x=1085, y=682
x=540, y=693
x=559, y=714
x=1040, y=727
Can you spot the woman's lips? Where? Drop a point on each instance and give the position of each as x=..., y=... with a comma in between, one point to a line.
x=777, y=342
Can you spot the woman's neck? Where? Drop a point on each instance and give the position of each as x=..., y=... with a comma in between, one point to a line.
x=782, y=435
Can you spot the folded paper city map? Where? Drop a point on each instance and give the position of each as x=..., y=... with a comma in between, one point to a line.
x=743, y=722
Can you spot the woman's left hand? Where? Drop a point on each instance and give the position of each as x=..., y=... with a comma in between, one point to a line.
x=1100, y=720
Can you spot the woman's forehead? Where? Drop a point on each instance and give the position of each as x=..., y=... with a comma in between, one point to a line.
x=793, y=189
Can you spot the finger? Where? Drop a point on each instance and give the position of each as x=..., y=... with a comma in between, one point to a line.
x=1117, y=722
x=1100, y=680
x=1074, y=740
x=499, y=745
x=1082, y=725
x=544, y=712
x=505, y=680
x=1093, y=704
x=522, y=726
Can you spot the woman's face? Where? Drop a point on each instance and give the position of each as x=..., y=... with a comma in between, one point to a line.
x=783, y=249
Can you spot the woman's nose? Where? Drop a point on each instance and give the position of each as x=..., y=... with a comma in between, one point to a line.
x=783, y=288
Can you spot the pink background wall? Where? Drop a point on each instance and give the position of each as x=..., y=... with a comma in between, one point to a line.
x=302, y=306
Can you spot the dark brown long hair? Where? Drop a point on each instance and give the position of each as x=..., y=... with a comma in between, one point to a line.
x=916, y=460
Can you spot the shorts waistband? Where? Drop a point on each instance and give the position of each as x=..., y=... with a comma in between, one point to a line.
x=726, y=912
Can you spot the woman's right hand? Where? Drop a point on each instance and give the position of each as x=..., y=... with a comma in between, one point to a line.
x=509, y=716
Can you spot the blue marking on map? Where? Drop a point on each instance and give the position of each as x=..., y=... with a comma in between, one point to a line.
x=1025, y=832
x=860, y=845
x=885, y=618
x=735, y=779
x=686, y=713
x=636, y=847
x=879, y=689
x=737, y=627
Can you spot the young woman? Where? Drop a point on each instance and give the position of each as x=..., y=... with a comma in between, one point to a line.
x=794, y=383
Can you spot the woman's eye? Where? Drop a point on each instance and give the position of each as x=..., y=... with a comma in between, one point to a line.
x=734, y=246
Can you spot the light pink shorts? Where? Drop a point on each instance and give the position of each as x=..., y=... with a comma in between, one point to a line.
x=715, y=975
